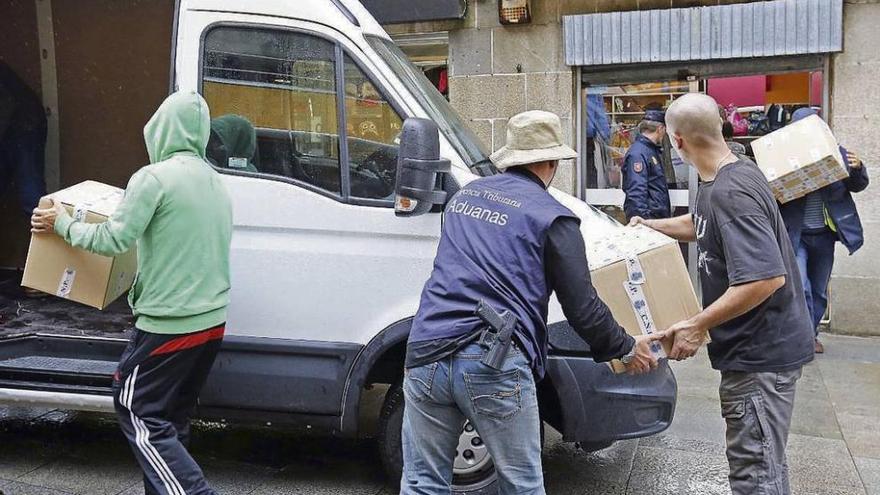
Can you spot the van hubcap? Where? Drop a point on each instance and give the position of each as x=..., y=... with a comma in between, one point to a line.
x=471, y=456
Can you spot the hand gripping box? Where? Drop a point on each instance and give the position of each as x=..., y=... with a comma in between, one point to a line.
x=799, y=158
x=640, y=275
x=58, y=268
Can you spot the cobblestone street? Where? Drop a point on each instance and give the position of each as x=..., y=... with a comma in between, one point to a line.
x=834, y=447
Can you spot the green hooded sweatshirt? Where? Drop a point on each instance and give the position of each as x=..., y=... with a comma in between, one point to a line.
x=179, y=213
x=236, y=139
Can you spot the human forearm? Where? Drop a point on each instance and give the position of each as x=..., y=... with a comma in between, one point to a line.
x=125, y=225
x=680, y=228
x=103, y=238
x=593, y=322
x=857, y=180
x=569, y=275
x=736, y=301
x=690, y=334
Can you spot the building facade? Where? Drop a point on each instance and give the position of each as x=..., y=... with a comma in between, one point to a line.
x=824, y=56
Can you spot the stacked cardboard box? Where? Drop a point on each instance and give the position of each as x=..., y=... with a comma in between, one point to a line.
x=55, y=267
x=800, y=158
x=638, y=272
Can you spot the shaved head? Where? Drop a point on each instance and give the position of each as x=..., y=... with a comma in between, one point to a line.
x=694, y=118
x=694, y=129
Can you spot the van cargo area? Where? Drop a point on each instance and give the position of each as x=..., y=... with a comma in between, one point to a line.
x=53, y=345
x=111, y=65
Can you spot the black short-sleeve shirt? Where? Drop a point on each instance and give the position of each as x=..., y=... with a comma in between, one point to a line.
x=741, y=238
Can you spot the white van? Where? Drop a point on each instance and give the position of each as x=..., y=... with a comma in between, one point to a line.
x=326, y=277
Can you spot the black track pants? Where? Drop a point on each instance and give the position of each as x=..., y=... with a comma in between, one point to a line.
x=155, y=390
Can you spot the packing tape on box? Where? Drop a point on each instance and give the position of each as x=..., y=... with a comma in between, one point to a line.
x=634, y=271
x=643, y=315
x=80, y=211
x=66, y=283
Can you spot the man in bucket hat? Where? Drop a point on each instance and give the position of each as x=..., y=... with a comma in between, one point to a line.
x=506, y=243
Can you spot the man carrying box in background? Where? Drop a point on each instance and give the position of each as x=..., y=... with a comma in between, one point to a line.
x=754, y=307
x=179, y=213
x=506, y=244
x=816, y=222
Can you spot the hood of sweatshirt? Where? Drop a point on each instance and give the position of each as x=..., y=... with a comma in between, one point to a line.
x=181, y=124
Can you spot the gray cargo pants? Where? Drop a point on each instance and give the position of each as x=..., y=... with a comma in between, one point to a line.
x=757, y=409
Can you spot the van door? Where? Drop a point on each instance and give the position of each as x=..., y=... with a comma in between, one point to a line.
x=320, y=263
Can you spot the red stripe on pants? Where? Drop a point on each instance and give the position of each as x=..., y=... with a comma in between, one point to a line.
x=189, y=341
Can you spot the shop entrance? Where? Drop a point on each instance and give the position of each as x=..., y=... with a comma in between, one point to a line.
x=612, y=103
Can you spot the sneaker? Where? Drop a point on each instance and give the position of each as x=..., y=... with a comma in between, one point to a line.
x=820, y=349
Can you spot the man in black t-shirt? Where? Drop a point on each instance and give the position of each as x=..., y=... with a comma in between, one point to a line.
x=755, y=310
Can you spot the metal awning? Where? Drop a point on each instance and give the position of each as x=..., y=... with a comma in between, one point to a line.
x=395, y=11
x=737, y=31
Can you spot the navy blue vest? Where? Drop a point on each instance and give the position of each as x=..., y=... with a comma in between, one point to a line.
x=492, y=249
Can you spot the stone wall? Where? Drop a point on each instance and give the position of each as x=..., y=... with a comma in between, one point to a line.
x=498, y=71
x=855, y=119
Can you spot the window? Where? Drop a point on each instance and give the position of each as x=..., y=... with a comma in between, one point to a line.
x=280, y=87
x=276, y=110
x=373, y=132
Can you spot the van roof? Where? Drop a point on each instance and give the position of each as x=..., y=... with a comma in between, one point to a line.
x=328, y=12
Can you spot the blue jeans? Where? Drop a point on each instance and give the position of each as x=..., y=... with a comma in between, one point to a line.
x=502, y=405
x=22, y=159
x=815, y=256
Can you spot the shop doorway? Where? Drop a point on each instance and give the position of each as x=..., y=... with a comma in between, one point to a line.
x=612, y=107
x=611, y=114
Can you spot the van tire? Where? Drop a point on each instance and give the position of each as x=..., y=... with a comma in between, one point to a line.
x=390, y=445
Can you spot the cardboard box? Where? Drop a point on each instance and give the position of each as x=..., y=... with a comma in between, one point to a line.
x=641, y=275
x=55, y=267
x=799, y=158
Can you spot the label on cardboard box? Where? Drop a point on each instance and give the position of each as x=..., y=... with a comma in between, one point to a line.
x=66, y=283
x=80, y=211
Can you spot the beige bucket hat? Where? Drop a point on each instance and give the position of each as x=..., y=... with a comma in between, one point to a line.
x=532, y=137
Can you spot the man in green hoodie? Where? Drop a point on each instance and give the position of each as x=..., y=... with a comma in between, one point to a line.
x=179, y=213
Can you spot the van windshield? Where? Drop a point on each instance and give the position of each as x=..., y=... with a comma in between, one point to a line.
x=438, y=109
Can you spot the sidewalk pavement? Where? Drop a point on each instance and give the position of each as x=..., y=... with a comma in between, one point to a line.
x=834, y=448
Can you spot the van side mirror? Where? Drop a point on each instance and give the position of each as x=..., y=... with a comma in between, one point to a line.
x=417, y=189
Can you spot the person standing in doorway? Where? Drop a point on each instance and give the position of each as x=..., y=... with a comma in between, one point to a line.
x=754, y=305
x=816, y=222
x=508, y=244
x=644, y=178
x=22, y=139
x=180, y=214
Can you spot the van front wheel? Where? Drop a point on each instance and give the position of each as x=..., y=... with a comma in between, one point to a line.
x=473, y=470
